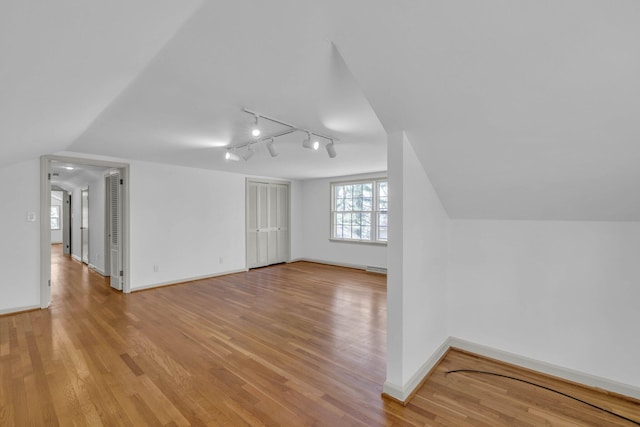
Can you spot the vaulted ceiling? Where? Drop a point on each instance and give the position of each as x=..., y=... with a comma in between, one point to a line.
x=516, y=109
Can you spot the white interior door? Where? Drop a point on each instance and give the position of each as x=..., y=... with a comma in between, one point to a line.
x=84, y=224
x=115, y=230
x=66, y=223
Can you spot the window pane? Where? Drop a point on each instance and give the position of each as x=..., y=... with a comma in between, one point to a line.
x=383, y=204
x=367, y=190
x=382, y=233
x=382, y=189
x=367, y=204
x=382, y=219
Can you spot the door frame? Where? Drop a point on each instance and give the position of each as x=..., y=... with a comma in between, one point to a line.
x=246, y=214
x=45, y=221
x=84, y=228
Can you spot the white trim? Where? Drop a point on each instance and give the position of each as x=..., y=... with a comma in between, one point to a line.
x=45, y=233
x=368, y=268
x=76, y=257
x=187, y=280
x=547, y=368
x=402, y=392
x=98, y=270
x=18, y=310
x=335, y=264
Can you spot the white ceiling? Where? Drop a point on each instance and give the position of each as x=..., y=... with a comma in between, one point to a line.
x=517, y=109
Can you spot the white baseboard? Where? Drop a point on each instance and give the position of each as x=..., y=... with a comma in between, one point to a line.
x=547, y=368
x=403, y=392
x=373, y=269
x=76, y=257
x=186, y=280
x=97, y=270
x=16, y=310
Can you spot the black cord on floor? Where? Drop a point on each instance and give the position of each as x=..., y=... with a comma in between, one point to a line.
x=473, y=371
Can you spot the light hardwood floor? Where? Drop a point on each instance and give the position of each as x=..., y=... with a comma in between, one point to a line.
x=294, y=345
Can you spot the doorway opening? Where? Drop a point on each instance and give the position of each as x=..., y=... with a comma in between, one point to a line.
x=97, y=232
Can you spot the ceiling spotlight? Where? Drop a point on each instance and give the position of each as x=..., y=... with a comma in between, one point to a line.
x=247, y=154
x=231, y=155
x=310, y=143
x=255, y=130
x=69, y=168
x=331, y=149
x=272, y=148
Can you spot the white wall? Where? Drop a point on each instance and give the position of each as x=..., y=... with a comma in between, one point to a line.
x=20, y=243
x=296, y=228
x=56, y=200
x=565, y=293
x=416, y=285
x=184, y=220
x=316, y=228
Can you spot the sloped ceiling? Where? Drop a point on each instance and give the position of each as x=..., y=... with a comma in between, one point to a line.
x=517, y=109
x=63, y=62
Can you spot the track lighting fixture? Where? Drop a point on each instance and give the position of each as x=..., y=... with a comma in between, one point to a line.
x=272, y=148
x=331, y=149
x=255, y=130
x=247, y=154
x=311, y=143
x=231, y=155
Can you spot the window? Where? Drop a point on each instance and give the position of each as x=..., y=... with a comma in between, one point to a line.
x=55, y=217
x=359, y=211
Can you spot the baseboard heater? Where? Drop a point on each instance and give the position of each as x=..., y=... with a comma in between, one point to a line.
x=378, y=270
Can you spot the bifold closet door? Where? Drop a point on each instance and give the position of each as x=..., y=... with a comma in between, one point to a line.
x=267, y=224
x=257, y=220
x=282, y=222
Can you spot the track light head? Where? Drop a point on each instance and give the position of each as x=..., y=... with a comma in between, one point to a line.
x=255, y=130
x=331, y=149
x=231, y=155
x=272, y=148
x=247, y=154
x=311, y=143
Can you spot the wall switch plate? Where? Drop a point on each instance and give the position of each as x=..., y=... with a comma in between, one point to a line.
x=31, y=216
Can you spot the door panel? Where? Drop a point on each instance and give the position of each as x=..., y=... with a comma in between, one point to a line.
x=84, y=225
x=115, y=210
x=66, y=223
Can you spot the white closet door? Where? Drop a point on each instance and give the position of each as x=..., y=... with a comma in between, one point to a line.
x=267, y=223
x=272, y=207
x=282, y=222
x=263, y=223
x=252, y=225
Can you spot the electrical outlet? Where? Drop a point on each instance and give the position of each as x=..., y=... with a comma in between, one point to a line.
x=220, y=260
x=156, y=268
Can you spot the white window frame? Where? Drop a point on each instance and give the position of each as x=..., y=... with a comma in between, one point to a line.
x=374, y=211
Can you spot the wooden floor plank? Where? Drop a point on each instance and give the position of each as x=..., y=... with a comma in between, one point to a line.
x=295, y=344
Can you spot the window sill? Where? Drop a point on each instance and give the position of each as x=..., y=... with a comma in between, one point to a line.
x=359, y=242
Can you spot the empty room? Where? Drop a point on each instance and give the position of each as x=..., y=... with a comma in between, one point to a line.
x=360, y=213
